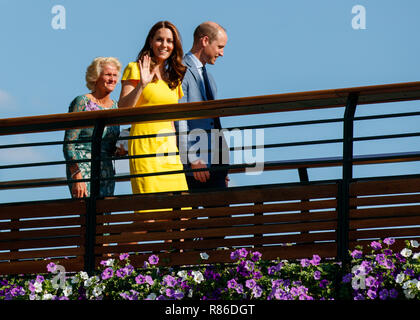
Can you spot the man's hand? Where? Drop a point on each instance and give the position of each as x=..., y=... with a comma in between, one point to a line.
x=201, y=176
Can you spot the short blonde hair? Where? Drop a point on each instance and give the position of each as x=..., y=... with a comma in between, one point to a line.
x=94, y=70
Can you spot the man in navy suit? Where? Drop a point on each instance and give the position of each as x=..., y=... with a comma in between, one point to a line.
x=198, y=85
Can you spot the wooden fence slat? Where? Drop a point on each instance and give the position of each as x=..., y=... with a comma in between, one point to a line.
x=40, y=266
x=39, y=234
x=384, y=222
x=217, y=232
x=219, y=222
x=382, y=187
x=219, y=243
x=42, y=209
x=36, y=254
x=385, y=200
x=220, y=211
x=219, y=198
x=38, y=223
x=45, y=243
x=397, y=211
x=384, y=233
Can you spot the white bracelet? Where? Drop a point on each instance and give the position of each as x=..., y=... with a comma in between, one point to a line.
x=74, y=173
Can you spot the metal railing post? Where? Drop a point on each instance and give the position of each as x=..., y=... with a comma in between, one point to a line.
x=347, y=175
x=95, y=174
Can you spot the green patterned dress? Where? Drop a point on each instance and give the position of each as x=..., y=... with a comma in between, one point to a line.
x=82, y=150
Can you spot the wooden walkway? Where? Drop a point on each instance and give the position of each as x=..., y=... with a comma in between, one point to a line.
x=285, y=220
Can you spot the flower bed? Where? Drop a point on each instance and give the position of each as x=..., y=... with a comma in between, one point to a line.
x=380, y=275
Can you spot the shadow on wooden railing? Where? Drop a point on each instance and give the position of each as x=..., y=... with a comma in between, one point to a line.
x=285, y=220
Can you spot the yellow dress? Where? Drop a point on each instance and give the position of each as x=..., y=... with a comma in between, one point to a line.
x=155, y=93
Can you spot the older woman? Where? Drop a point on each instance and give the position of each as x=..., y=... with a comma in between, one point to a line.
x=155, y=79
x=101, y=78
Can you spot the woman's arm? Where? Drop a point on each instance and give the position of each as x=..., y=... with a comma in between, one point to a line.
x=130, y=93
x=131, y=89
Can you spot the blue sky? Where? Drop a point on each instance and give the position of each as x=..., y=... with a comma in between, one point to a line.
x=275, y=46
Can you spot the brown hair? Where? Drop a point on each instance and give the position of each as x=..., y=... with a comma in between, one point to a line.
x=209, y=29
x=174, y=68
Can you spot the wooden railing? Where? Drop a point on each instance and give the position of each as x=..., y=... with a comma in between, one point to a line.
x=286, y=220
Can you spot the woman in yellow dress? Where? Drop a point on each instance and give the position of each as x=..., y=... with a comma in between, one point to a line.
x=155, y=79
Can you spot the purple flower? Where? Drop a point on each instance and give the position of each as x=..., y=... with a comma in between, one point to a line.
x=257, y=291
x=317, y=275
x=256, y=256
x=242, y=253
x=272, y=270
x=315, y=260
x=234, y=255
x=169, y=281
x=249, y=265
x=51, y=267
x=239, y=288
x=124, y=256
x=383, y=294
x=323, y=283
x=169, y=292
x=107, y=273
x=372, y=294
x=305, y=263
x=149, y=280
x=371, y=282
x=347, y=278
x=389, y=241
x=140, y=279
x=356, y=254
x=393, y=293
x=231, y=284
x=388, y=252
x=153, y=259
x=39, y=279
x=121, y=273
x=376, y=245
x=251, y=283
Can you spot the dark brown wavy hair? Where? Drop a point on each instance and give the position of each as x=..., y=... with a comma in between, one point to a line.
x=174, y=68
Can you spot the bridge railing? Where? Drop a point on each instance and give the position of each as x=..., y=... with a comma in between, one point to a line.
x=286, y=219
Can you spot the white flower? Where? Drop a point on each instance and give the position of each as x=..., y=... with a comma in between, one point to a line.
x=182, y=274
x=67, y=291
x=92, y=280
x=418, y=285
x=198, y=276
x=97, y=291
x=38, y=287
x=190, y=293
x=83, y=275
x=151, y=296
x=399, y=278
x=409, y=294
x=204, y=255
x=406, y=252
x=47, y=296
x=110, y=262
x=414, y=243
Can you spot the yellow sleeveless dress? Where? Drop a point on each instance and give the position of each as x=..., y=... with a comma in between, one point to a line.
x=155, y=93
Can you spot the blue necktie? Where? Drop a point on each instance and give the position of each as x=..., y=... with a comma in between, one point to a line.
x=209, y=93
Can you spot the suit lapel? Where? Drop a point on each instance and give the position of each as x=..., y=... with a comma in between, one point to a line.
x=194, y=71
